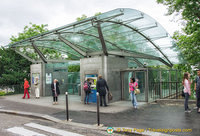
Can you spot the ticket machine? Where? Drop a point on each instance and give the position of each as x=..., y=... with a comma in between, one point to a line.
x=93, y=81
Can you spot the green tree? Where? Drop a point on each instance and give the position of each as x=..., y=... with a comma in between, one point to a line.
x=188, y=40
x=13, y=67
x=81, y=18
x=29, y=31
x=74, y=68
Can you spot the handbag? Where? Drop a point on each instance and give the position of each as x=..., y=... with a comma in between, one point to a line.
x=137, y=91
x=110, y=96
x=183, y=94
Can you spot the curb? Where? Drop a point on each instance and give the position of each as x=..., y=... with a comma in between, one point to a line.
x=174, y=101
x=95, y=127
x=29, y=114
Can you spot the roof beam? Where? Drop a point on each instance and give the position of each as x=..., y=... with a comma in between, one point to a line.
x=144, y=37
x=137, y=62
x=74, y=47
x=131, y=54
x=138, y=55
x=25, y=56
x=39, y=53
x=102, y=39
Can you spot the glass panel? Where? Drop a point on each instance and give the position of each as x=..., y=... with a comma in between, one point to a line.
x=126, y=29
x=140, y=78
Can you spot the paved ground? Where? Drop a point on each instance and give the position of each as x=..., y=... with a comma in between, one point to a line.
x=75, y=103
x=147, y=117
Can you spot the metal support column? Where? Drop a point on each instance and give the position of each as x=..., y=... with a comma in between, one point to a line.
x=39, y=53
x=161, y=95
x=102, y=39
x=147, y=85
x=170, y=84
x=71, y=45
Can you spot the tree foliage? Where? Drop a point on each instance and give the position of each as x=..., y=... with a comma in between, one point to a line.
x=74, y=68
x=29, y=31
x=81, y=18
x=188, y=40
x=13, y=67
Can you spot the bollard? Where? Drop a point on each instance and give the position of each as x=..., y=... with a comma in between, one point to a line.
x=67, y=111
x=98, y=118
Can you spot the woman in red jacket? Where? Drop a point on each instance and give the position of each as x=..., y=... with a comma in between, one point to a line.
x=26, y=86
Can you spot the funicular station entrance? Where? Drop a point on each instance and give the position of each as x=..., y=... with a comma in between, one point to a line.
x=118, y=44
x=153, y=83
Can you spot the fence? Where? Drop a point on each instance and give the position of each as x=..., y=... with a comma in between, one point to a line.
x=163, y=90
x=16, y=89
x=74, y=88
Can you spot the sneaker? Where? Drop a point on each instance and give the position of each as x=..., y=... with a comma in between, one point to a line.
x=54, y=103
x=187, y=111
x=195, y=108
x=135, y=107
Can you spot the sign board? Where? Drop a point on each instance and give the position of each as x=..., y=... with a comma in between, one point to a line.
x=34, y=75
x=48, y=78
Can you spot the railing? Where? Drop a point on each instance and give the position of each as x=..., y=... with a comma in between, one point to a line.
x=16, y=89
x=74, y=88
x=162, y=90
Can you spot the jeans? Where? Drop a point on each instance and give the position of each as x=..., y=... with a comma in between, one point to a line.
x=133, y=99
x=186, y=101
x=86, y=97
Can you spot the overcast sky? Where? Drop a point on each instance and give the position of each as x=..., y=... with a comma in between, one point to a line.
x=15, y=14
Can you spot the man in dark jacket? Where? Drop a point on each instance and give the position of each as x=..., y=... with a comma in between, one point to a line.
x=197, y=89
x=55, y=91
x=101, y=88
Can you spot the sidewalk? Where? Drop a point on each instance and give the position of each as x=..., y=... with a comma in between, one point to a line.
x=75, y=103
x=118, y=115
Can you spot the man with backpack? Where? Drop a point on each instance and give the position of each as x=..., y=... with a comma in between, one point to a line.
x=87, y=90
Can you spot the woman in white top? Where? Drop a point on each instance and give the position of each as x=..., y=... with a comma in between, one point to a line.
x=187, y=90
x=37, y=90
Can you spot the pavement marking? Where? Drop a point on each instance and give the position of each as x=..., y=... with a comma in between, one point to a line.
x=23, y=132
x=52, y=130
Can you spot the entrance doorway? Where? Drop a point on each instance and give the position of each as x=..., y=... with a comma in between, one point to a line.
x=141, y=77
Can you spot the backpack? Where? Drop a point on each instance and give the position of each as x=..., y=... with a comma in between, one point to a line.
x=85, y=87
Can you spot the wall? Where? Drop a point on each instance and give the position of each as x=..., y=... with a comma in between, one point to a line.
x=107, y=66
x=114, y=65
x=36, y=69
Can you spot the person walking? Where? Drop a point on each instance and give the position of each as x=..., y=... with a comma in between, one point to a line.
x=26, y=86
x=197, y=89
x=87, y=90
x=101, y=88
x=37, y=90
x=187, y=91
x=132, y=86
x=55, y=91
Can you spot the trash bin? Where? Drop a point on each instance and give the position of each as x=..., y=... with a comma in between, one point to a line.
x=92, y=96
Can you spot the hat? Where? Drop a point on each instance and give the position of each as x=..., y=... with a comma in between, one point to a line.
x=198, y=69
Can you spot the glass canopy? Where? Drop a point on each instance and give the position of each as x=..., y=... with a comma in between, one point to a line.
x=121, y=32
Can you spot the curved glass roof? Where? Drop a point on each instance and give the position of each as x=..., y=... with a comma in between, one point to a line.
x=122, y=32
